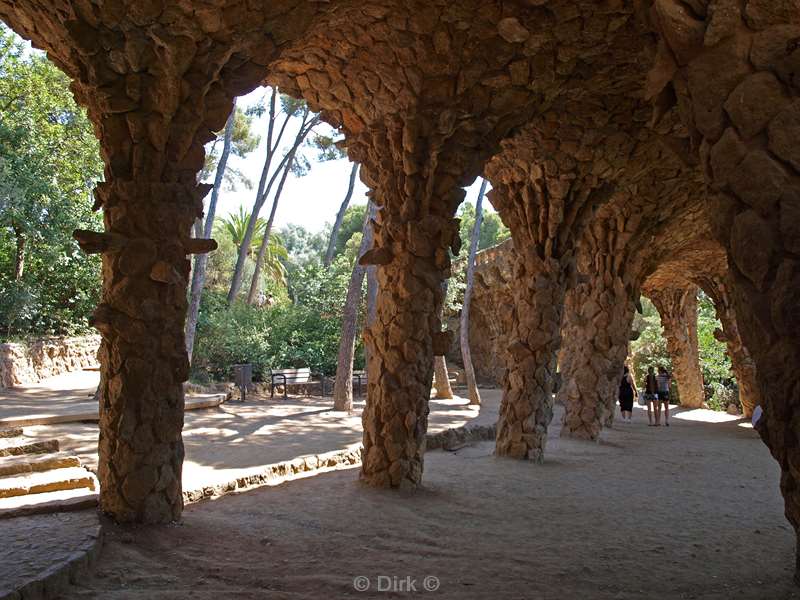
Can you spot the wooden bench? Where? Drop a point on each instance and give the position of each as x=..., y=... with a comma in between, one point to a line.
x=298, y=376
x=361, y=377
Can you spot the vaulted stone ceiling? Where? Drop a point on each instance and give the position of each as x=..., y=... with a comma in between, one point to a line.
x=603, y=125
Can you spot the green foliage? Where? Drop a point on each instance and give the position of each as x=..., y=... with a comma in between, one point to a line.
x=49, y=161
x=326, y=147
x=492, y=229
x=352, y=224
x=650, y=349
x=492, y=233
x=299, y=334
x=234, y=226
x=243, y=142
x=721, y=387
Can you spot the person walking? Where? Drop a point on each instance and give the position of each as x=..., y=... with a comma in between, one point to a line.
x=627, y=391
x=664, y=381
x=651, y=395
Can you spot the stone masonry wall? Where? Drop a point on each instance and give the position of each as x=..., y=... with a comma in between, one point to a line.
x=23, y=364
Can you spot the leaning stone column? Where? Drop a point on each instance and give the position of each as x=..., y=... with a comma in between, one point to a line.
x=735, y=71
x=678, y=310
x=545, y=212
x=527, y=406
x=595, y=333
x=735, y=74
x=156, y=87
x=414, y=230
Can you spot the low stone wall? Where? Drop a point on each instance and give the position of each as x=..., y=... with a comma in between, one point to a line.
x=24, y=364
x=274, y=474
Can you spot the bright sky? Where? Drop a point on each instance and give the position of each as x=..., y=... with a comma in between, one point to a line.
x=310, y=201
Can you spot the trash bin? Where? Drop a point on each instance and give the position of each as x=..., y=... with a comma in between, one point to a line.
x=243, y=378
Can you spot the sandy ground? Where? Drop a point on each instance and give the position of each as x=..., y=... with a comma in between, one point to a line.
x=235, y=439
x=55, y=395
x=692, y=511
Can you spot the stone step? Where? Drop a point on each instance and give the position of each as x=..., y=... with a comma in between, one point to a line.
x=70, y=478
x=19, y=446
x=35, y=463
x=11, y=432
x=48, y=502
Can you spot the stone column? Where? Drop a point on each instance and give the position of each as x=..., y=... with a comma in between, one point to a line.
x=595, y=335
x=678, y=310
x=742, y=364
x=527, y=406
x=143, y=356
x=156, y=88
x=546, y=213
x=413, y=232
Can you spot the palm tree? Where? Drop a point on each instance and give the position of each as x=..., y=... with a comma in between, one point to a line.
x=274, y=257
x=235, y=225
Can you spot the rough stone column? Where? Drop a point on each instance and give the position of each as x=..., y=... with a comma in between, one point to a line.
x=157, y=79
x=595, y=335
x=414, y=230
x=733, y=68
x=527, y=406
x=742, y=364
x=144, y=361
x=546, y=211
x=678, y=310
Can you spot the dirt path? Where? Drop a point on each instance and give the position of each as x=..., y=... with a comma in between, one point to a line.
x=692, y=511
x=235, y=440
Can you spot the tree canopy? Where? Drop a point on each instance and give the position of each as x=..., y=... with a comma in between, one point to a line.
x=49, y=162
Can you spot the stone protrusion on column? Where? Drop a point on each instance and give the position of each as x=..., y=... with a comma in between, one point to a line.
x=415, y=230
x=742, y=364
x=678, y=310
x=735, y=81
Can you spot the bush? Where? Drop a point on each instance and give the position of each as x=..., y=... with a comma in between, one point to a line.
x=650, y=349
x=280, y=336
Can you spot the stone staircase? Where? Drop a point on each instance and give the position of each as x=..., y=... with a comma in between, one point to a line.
x=36, y=478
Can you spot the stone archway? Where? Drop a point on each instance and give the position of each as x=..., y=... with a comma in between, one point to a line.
x=427, y=93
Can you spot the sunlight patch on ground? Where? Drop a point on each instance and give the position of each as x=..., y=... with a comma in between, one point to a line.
x=454, y=401
x=215, y=431
x=705, y=415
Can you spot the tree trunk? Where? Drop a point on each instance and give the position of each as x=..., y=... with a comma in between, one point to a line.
x=441, y=379
x=472, y=387
x=19, y=255
x=343, y=388
x=261, y=197
x=340, y=216
x=305, y=129
x=252, y=294
x=201, y=260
